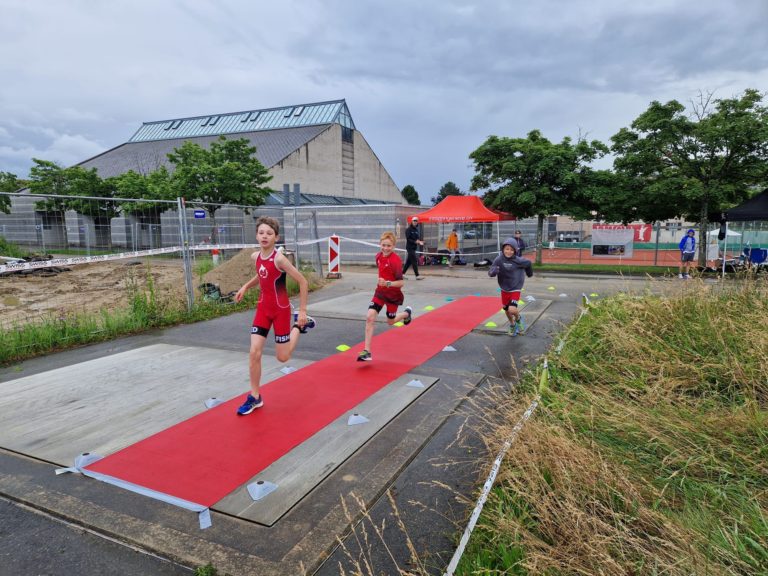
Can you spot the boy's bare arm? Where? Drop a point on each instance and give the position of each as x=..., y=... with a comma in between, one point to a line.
x=245, y=287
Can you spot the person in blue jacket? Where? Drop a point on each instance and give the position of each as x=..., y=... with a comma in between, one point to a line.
x=687, y=252
x=510, y=271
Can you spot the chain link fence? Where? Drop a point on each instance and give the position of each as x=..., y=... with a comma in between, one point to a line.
x=88, y=254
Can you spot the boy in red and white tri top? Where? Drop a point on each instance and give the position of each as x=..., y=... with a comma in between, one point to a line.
x=388, y=292
x=273, y=309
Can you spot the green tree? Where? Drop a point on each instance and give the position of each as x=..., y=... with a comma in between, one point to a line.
x=692, y=164
x=226, y=173
x=532, y=176
x=48, y=177
x=8, y=183
x=447, y=189
x=156, y=185
x=45, y=178
x=410, y=195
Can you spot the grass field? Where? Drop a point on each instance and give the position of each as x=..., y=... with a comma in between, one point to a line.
x=649, y=451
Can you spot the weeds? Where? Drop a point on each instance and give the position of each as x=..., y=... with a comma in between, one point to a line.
x=146, y=309
x=648, y=454
x=11, y=249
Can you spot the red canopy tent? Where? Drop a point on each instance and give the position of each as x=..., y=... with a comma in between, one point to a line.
x=462, y=209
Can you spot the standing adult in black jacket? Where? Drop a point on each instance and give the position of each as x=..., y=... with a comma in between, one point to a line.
x=412, y=242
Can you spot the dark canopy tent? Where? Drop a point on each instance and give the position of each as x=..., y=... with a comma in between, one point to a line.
x=756, y=208
x=753, y=209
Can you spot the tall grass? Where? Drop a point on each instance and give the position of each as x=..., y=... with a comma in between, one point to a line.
x=649, y=454
x=11, y=249
x=146, y=309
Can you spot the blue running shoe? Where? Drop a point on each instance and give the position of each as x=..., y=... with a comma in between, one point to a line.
x=250, y=405
x=519, y=326
x=409, y=310
x=310, y=323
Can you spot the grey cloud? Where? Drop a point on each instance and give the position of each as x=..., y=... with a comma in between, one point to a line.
x=426, y=81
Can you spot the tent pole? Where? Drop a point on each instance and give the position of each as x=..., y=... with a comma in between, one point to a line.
x=498, y=238
x=725, y=247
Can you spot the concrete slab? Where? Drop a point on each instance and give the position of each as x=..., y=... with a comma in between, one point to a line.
x=105, y=404
x=303, y=468
x=531, y=312
x=353, y=306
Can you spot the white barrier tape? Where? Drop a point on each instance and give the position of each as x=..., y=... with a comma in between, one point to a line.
x=211, y=247
x=86, y=459
x=449, y=571
x=444, y=254
x=55, y=262
x=14, y=267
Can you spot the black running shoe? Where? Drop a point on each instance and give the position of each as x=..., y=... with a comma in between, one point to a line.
x=409, y=310
x=364, y=356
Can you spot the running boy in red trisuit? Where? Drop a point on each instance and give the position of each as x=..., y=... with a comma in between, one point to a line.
x=388, y=292
x=273, y=308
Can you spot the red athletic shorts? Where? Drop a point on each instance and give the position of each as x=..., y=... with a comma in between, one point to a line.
x=377, y=304
x=269, y=316
x=510, y=298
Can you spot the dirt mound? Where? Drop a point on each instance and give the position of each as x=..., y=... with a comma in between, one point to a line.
x=232, y=273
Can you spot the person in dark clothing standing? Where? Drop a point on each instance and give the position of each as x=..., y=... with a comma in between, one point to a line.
x=521, y=245
x=412, y=242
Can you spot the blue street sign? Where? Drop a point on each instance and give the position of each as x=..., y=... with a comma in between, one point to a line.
x=199, y=213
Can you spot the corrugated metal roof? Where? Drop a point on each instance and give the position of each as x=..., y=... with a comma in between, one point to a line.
x=272, y=146
x=318, y=113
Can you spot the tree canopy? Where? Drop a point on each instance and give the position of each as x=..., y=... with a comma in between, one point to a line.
x=410, y=195
x=447, y=189
x=8, y=183
x=532, y=176
x=226, y=173
x=675, y=162
x=48, y=177
x=153, y=186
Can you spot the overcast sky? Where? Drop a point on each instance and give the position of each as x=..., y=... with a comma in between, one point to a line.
x=426, y=81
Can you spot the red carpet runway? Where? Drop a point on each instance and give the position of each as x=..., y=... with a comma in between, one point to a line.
x=203, y=459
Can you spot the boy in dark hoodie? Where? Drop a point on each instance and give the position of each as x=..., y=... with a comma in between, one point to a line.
x=511, y=270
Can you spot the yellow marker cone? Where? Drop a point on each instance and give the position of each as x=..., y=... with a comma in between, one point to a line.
x=550, y=287
x=491, y=324
x=594, y=295
x=429, y=307
x=342, y=347
x=398, y=324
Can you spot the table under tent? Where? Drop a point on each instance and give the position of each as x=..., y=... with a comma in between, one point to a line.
x=752, y=219
x=480, y=229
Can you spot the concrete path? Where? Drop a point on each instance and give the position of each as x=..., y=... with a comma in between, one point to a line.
x=418, y=455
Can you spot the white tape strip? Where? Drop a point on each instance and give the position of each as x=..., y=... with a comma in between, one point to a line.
x=449, y=571
x=14, y=267
x=83, y=460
